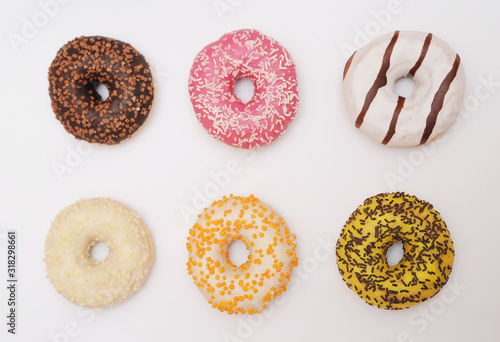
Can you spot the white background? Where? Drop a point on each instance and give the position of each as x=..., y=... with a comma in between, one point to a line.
x=315, y=175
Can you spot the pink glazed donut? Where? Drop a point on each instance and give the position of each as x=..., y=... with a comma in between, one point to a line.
x=244, y=54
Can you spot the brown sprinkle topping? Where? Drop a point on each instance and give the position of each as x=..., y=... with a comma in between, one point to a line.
x=78, y=67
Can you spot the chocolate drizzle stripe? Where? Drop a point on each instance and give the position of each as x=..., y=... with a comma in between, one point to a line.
x=394, y=120
x=348, y=65
x=425, y=48
x=401, y=100
x=437, y=102
x=380, y=81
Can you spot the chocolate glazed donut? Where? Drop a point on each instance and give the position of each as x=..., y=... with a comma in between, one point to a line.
x=79, y=67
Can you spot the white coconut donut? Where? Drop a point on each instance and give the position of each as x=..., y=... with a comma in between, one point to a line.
x=78, y=277
x=249, y=287
x=368, y=86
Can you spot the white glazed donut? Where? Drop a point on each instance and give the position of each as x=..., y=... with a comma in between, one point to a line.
x=78, y=277
x=249, y=287
x=368, y=86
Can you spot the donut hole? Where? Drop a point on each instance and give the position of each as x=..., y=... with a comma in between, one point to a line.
x=100, y=90
x=244, y=89
x=99, y=252
x=238, y=252
x=394, y=253
x=405, y=86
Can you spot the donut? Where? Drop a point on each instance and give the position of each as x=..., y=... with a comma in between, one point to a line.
x=249, y=287
x=244, y=54
x=84, y=281
x=377, y=224
x=86, y=62
x=390, y=119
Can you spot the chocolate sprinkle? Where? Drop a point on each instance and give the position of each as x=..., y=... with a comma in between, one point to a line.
x=85, y=62
x=376, y=225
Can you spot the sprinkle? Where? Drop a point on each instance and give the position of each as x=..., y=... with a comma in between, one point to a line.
x=84, y=281
x=372, y=228
x=244, y=54
x=86, y=61
x=247, y=287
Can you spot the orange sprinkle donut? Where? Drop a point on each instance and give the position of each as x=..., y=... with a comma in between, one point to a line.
x=249, y=287
x=87, y=282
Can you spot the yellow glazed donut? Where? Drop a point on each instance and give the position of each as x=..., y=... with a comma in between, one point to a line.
x=381, y=221
x=78, y=277
x=263, y=277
